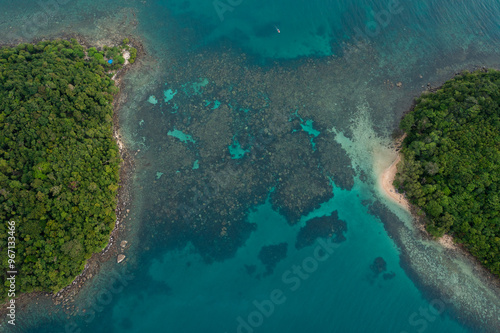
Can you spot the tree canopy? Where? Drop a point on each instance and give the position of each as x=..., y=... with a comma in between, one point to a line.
x=59, y=162
x=451, y=162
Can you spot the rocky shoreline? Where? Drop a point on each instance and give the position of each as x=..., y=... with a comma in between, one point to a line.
x=116, y=245
x=447, y=240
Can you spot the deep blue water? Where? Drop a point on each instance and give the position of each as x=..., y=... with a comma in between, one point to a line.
x=232, y=123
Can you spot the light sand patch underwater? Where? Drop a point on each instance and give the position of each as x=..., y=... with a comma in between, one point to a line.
x=372, y=155
x=452, y=275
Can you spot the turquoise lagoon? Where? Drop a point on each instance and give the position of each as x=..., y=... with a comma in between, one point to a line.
x=221, y=112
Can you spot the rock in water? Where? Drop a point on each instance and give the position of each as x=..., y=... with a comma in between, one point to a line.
x=123, y=243
x=120, y=258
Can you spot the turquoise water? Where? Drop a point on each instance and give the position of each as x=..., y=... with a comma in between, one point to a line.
x=212, y=297
x=183, y=137
x=243, y=137
x=236, y=151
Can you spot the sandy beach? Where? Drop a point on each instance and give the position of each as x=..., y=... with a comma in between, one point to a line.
x=385, y=181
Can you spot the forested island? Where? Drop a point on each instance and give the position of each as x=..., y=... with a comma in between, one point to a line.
x=450, y=166
x=59, y=162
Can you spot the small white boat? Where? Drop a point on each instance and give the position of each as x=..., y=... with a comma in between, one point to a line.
x=277, y=29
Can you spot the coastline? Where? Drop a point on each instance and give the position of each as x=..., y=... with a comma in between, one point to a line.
x=385, y=181
x=124, y=195
x=123, y=198
x=447, y=242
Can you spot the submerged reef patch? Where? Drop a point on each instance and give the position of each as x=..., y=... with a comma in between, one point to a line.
x=271, y=255
x=378, y=266
x=321, y=227
x=251, y=127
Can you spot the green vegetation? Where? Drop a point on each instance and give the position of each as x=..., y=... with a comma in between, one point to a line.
x=132, y=50
x=133, y=55
x=451, y=162
x=59, y=163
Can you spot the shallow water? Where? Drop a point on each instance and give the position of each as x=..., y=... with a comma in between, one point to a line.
x=245, y=134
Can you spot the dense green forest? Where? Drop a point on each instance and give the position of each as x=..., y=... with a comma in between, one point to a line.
x=451, y=162
x=59, y=163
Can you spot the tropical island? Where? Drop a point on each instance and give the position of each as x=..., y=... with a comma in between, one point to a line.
x=59, y=161
x=450, y=163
